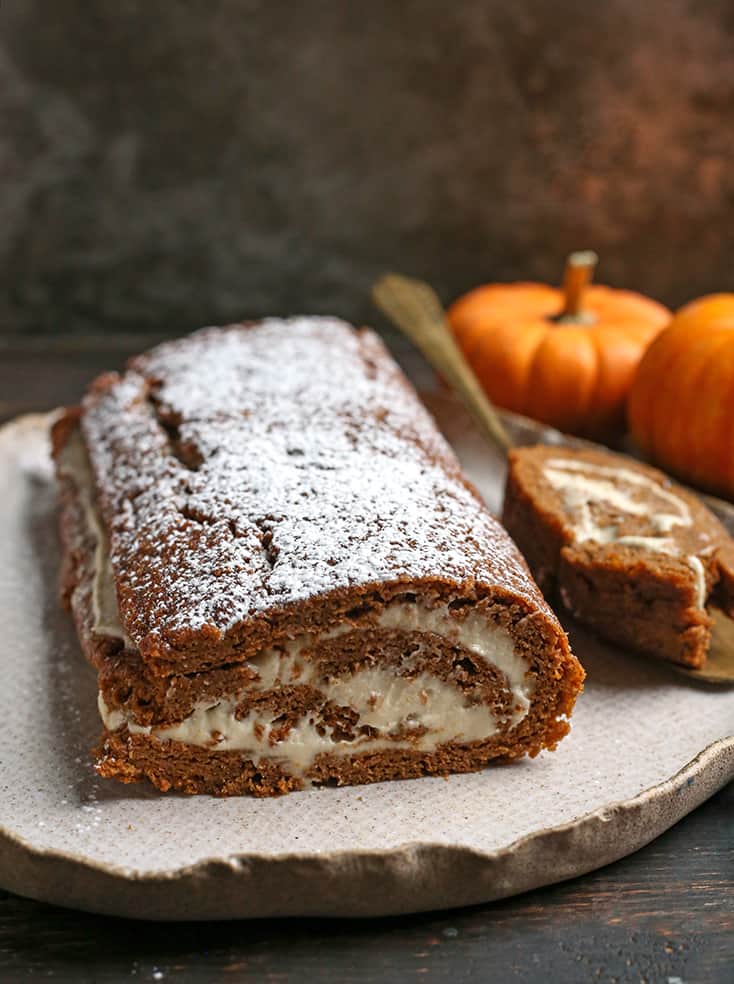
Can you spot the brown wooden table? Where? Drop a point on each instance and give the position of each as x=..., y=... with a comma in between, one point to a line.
x=665, y=914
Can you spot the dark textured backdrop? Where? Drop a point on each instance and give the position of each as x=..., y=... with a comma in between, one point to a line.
x=167, y=164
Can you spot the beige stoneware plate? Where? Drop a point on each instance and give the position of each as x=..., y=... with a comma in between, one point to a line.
x=647, y=746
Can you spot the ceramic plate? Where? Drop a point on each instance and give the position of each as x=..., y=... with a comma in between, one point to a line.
x=647, y=746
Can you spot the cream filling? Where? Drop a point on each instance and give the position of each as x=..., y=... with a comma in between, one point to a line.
x=384, y=701
x=74, y=462
x=578, y=491
x=389, y=703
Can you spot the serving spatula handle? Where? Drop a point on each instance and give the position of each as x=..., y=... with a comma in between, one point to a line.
x=413, y=306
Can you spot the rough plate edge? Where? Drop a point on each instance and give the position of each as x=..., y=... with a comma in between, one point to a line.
x=416, y=877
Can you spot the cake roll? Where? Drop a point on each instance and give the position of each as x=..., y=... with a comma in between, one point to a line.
x=282, y=578
x=629, y=553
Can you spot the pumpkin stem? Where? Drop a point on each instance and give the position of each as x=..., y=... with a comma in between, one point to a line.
x=576, y=278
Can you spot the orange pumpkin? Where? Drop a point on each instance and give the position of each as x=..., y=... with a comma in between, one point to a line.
x=681, y=405
x=565, y=357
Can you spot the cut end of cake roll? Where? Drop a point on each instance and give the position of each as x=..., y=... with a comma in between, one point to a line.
x=628, y=552
x=283, y=580
x=406, y=686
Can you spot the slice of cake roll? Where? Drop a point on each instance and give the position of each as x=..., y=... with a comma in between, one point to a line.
x=629, y=553
x=282, y=578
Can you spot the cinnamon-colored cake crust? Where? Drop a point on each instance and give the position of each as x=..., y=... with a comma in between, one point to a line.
x=628, y=552
x=283, y=579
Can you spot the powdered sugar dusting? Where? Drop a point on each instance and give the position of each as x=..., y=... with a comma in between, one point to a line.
x=245, y=469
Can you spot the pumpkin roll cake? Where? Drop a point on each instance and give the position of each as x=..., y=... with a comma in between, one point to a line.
x=282, y=578
x=628, y=552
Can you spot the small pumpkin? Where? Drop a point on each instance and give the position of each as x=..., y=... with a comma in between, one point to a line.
x=681, y=404
x=566, y=357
